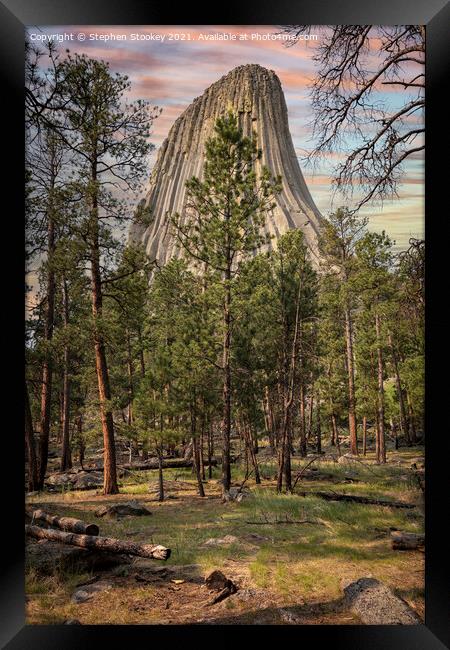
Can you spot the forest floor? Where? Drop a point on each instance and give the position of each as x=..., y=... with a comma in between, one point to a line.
x=287, y=572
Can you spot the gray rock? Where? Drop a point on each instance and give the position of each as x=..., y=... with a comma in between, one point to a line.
x=87, y=592
x=129, y=508
x=256, y=94
x=376, y=604
x=77, y=480
x=236, y=494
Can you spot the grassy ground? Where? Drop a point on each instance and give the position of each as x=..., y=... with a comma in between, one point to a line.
x=287, y=572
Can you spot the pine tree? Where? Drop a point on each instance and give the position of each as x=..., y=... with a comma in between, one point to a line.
x=227, y=211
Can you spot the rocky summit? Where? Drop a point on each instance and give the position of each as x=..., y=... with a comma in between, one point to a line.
x=255, y=93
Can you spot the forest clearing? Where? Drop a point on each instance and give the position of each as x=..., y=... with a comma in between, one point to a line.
x=287, y=572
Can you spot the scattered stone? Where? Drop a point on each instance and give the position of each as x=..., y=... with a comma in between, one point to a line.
x=129, y=508
x=221, y=541
x=376, y=604
x=88, y=591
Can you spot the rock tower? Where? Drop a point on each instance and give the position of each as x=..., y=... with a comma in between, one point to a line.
x=255, y=93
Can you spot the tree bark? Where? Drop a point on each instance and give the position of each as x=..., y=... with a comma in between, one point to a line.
x=364, y=435
x=412, y=424
x=251, y=449
x=226, y=425
x=381, y=456
x=66, y=456
x=33, y=479
x=319, y=430
x=160, y=476
x=403, y=419
x=65, y=523
x=47, y=370
x=107, y=544
x=351, y=382
x=110, y=473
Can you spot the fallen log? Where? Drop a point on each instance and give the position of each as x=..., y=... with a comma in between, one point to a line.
x=333, y=496
x=406, y=541
x=108, y=544
x=153, y=465
x=65, y=523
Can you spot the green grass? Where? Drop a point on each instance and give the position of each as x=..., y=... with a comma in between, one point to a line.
x=297, y=562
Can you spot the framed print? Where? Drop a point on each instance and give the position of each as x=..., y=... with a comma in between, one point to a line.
x=233, y=337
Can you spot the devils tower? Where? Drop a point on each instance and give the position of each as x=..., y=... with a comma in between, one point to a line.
x=256, y=95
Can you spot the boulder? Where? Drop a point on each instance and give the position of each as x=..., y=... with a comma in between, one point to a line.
x=78, y=480
x=129, y=508
x=376, y=604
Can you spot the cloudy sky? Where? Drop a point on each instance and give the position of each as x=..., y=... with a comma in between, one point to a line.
x=171, y=73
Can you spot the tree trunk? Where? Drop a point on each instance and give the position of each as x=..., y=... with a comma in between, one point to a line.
x=130, y=382
x=319, y=430
x=66, y=456
x=110, y=472
x=80, y=441
x=196, y=464
x=412, y=424
x=47, y=371
x=107, y=544
x=160, y=476
x=33, y=479
x=303, y=449
x=210, y=435
x=195, y=451
x=226, y=424
x=381, y=456
x=141, y=353
x=394, y=433
x=310, y=414
x=403, y=419
x=364, y=435
x=65, y=523
x=351, y=382
x=251, y=449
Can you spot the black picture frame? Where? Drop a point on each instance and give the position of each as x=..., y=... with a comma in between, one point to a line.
x=435, y=14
